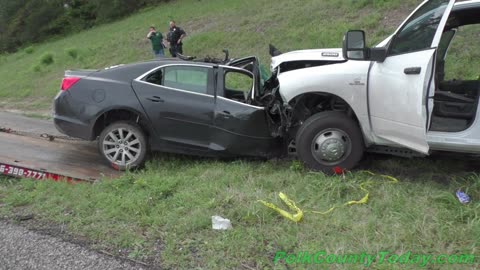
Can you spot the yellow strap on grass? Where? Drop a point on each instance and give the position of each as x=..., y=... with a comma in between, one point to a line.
x=323, y=213
x=291, y=204
x=299, y=213
x=364, y=200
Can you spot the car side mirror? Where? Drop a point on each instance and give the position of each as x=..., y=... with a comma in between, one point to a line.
x=354, y=47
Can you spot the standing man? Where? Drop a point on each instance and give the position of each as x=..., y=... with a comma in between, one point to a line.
x=175, y=37
x=157, y=42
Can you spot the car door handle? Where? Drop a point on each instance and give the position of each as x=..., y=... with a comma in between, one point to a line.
x=156, y=99
x=413, y=70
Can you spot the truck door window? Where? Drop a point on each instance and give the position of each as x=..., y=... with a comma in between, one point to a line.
x=418, y=33
x=463, y=57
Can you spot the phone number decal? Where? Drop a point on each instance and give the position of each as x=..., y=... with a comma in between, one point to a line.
x=21, y=172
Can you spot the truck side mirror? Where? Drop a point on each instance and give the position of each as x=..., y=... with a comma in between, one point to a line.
x=354, y=47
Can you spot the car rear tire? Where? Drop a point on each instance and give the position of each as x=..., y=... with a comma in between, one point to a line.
x=329, y=141
x=124, y=145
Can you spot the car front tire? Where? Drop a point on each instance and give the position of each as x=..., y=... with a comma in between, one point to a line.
x=329, y=141
x=124, y=145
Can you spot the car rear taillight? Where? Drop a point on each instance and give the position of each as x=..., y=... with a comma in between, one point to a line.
x=68, y=82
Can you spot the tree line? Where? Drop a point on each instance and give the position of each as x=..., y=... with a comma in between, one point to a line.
x=24, y=22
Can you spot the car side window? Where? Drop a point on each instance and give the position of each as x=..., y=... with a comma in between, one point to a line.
x=419, y=31
x=155, y=77
x=188, y=78
x=237, y=85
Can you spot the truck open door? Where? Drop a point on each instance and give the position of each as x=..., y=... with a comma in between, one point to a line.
x=401, y=88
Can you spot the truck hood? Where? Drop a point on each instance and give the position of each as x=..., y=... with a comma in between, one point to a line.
x=330, y=55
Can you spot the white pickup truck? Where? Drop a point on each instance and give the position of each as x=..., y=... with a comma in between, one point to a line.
x=335, y=104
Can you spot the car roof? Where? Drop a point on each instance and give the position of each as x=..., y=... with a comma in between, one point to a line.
x=173, y=61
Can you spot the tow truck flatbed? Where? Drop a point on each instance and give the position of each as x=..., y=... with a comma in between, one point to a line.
x=43, y=157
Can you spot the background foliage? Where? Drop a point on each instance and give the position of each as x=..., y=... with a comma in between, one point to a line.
x=28, y=21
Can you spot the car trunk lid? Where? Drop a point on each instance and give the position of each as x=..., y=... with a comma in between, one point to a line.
x=79, y=72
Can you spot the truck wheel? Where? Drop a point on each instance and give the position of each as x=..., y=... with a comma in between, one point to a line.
x=124, y=145
x=329, y=140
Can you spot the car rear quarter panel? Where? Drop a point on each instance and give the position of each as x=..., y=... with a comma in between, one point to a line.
x=96, y=94
x=92, y=97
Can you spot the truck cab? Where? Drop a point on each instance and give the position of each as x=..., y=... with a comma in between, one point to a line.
x=392, y=98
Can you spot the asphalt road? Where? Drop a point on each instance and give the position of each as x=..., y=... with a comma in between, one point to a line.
x=24, y=249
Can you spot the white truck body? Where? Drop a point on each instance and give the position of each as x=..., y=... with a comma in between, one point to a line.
x=393, y=100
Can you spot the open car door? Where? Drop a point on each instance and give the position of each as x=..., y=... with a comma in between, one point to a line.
x=241, y=126
x=251, y=64
x=401, y=89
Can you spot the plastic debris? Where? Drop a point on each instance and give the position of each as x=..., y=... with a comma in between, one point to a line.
x=221, y=224
x=463, y=197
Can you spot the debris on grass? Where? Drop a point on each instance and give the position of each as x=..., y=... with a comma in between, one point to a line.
x=463, y=197
x=221, y=224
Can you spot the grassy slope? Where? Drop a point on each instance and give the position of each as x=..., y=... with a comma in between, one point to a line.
x=245, y=27
x=162, y=214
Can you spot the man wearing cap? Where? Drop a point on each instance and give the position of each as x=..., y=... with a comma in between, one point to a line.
x=157, y=42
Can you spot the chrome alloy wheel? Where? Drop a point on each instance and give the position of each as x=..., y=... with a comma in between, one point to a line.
x=122, y=147
x=331, y=146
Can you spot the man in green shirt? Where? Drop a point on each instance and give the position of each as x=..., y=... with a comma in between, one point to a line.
x=157, y=42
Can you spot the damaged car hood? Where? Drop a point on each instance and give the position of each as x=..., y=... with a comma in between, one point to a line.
x=330, y=55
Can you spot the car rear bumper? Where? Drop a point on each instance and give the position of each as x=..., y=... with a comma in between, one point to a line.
x=70, y=117
x=72, y=127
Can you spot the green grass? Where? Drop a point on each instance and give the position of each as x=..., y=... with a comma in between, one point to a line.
x=244, y=27
x=47, y=59
x=163, y=213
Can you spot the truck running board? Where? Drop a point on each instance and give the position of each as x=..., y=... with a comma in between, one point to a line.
x=394, y=151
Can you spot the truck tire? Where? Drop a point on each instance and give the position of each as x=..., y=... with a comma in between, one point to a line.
x=124, y=145
x=329, y=141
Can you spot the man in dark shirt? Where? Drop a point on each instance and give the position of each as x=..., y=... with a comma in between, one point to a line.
x=175, y=37
x=157, y=42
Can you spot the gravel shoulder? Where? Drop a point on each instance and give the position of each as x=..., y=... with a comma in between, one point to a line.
x=24, y=249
